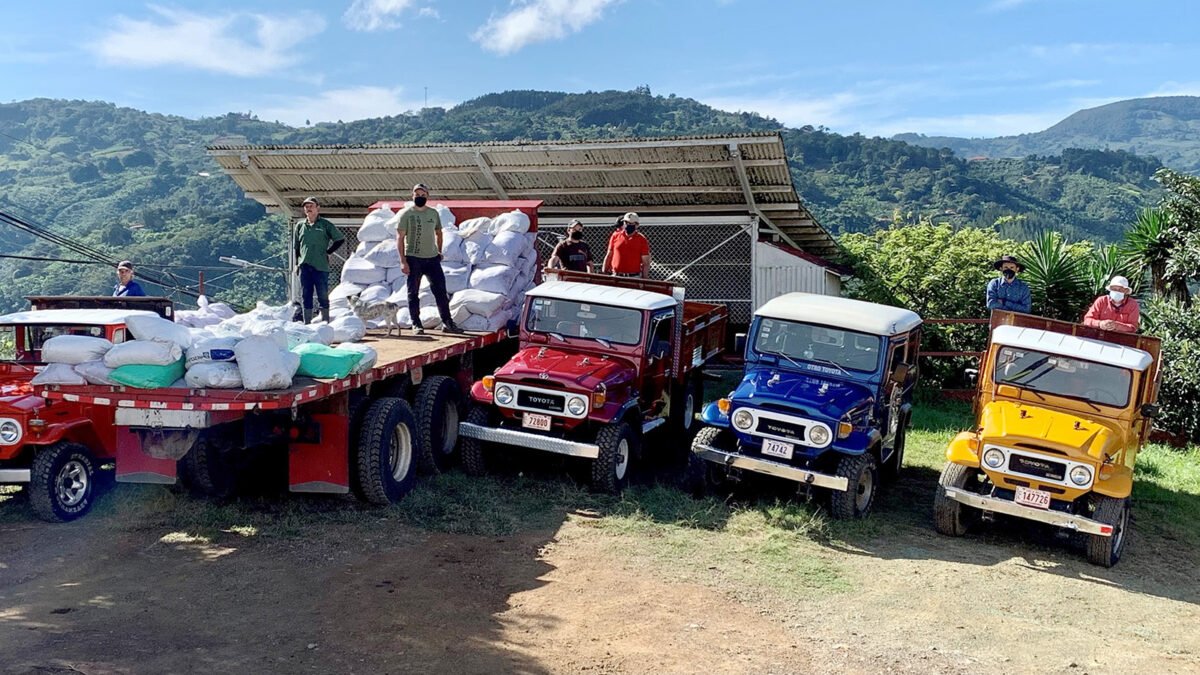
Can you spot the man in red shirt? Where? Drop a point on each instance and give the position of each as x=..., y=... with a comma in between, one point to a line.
x=1116, y=310
x=628, y=252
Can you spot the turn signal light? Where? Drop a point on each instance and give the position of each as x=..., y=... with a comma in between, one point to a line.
x=844, y=429
x=724, y=405
x=488, y=382
x=599, y=396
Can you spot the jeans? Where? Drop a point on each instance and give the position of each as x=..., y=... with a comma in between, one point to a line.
x=313, y=279
x=430, y=268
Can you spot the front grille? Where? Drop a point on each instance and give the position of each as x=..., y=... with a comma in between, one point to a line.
x=778, y=428
x=538, y=382
x=541, y=401
x=1039, y=448
x=1041, y=468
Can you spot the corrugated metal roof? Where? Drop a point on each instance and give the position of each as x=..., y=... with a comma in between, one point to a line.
x=681, y=176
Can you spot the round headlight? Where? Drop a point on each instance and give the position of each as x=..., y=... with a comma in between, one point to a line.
x=576, y=405
x=818, y=435
x=1080, y=475
x=504, y=394
x=10, y=432
x=742, y=419
x=993, y=458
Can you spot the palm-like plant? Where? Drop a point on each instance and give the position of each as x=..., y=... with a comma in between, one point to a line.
x=1109, y=261
x=1057, y=276
x=1148, y=245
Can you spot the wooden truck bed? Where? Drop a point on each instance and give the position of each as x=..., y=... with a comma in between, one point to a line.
x=703, y=335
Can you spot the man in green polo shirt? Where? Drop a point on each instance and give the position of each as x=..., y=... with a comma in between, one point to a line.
x=316, y=239
x=419, y=238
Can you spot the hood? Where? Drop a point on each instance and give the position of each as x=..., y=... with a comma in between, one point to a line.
x=565, y=366
x=826, y=397
x=1007, y=423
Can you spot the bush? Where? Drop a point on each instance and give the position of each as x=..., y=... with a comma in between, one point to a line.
x=1179, y=328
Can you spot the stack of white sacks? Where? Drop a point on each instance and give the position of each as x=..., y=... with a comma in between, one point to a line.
x=489, y=264
x=251, y=351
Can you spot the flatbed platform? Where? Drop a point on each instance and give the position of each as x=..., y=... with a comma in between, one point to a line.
x=396, y=355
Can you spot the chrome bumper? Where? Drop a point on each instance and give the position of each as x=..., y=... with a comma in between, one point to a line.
x=14, y=475
x=1058, y=518
x=732, y=459
x=528, y=439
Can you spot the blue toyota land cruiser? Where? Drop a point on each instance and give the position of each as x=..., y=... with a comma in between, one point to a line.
x=825, y=400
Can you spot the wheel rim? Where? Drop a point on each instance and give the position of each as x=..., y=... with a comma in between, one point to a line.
x=866, y=489
x=689, y=411
x=449, y=428
x=400, y=458
x=72, y=483
x=622, y=458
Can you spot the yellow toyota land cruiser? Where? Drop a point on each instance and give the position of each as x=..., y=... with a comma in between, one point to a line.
x=1062, y=410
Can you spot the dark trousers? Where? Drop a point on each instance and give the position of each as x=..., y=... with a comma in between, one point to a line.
x=314, y=280
x=431, y=268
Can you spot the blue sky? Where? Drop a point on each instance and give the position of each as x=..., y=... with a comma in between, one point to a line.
x=969, y=68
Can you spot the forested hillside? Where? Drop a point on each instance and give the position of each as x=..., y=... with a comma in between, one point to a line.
x=139, y=185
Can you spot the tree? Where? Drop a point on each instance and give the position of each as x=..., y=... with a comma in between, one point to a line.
x=1148, y=245
x=1182, y=208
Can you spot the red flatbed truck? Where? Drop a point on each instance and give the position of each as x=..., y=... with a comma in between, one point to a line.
x=365, y=433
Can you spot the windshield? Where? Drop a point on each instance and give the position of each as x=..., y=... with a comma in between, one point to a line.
x=568, y=318
x=843, y=349
x=1063, y=376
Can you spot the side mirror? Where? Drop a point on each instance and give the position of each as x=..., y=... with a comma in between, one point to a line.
x=1149, y=410
x=900, y=374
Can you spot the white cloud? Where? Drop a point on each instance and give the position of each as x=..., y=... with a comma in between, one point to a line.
x=234, y=43
x=352, y=103
x=374, y=15
x=971, y=125
x=535, y=21
x=833, y=110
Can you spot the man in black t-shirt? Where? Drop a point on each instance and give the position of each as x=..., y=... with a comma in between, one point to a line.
x=572, y=253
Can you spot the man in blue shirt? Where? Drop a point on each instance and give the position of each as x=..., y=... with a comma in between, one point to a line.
x=126, y=286
x=1007, y=291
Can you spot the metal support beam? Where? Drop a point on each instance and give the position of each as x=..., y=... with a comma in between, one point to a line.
x=739, y=166
x=489, y=176
x=284, y=207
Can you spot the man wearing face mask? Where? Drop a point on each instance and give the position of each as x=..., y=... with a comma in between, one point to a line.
x=1115, y=310
x=628, y=252
x=419, y=239
x=1007, y=292
x=572, y=253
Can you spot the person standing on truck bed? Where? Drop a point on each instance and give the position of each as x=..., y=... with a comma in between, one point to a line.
x=1115, y=310
x=419, y=239
x=628, y=252
x=316, y=240
x=126, y=286
x=572, y=253
x=1006, y=291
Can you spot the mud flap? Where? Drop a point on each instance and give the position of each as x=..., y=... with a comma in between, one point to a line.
x=136, y=466
x=323, y=465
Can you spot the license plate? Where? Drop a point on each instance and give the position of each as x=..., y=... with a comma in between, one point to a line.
x=536, y=421
x=777, y=449
x=1038, y=499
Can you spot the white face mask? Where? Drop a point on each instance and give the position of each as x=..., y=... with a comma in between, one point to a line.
x=1116, y=296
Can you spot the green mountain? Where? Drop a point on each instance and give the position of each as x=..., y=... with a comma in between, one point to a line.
x=139, y=185
x=1167, y=127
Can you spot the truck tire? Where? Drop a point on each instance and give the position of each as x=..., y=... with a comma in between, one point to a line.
x=208, y=472
x=62, y=482
x=950, y=517
x=683, y=412
x=1106, y=551
x=862, y=475
x=702, y=475
x=437, y=403
x=891, y=468
x=610, y=471
x=478, y=457
x=383, y=469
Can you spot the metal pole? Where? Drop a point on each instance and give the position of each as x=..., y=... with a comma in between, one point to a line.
x=201, y=282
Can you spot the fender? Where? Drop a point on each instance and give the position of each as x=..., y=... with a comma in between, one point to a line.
x=1119, y=484
x=624, y=410
x=964, y=449
x=59, y=430
x=712, y=416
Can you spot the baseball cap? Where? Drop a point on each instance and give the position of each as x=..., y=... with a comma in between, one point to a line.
x=630, y=217
x=420, y=186
x=125, y=265
x=574, y=222
x=1120, y=282
x=310, y=200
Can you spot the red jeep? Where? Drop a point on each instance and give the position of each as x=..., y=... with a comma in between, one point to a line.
x=602, y=361
x=54, y=446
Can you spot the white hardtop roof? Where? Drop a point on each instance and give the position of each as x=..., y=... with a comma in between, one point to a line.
x=602, y=295
x=829, y=310
x=90, y=317
x=1062, y=344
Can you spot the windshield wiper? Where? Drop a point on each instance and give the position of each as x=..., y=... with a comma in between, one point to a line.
x=835, y=364
x=556, y=335
x=779, y=355
x=603, y=341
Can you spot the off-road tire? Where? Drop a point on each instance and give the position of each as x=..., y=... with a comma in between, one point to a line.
x=862, y=475
x=1106, y=551
x=477, y=455
x=950, y=517
x=384, y=465
x=891, y=468
x=610, y=470
x=698, y=478
x=62, y=483
x=437, y=408
x=208, y=472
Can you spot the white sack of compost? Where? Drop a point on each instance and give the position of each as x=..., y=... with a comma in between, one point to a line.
x=95, y=372
x=513, y=221
x=384, y=254
x=153, y=327
x=358, y=270
x=58, y=373
x=375, y=294
x=379, y=225
x=367, y=362
x=264, y=365
x=143, y=353
x=494, y=278
x=74, y=349
x=214, y=375
x=211, y=350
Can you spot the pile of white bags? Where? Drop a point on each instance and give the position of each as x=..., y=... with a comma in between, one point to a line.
x=495, y=255
x=209, y=313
